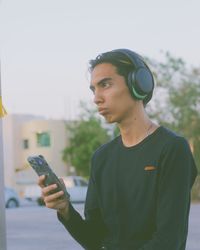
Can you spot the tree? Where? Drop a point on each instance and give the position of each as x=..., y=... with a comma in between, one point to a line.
x=86, y=135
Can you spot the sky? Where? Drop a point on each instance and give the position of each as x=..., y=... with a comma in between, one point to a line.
x=45, y=46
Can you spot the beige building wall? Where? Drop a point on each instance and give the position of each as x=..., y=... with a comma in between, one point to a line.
x=21, y=135
x=12, y=145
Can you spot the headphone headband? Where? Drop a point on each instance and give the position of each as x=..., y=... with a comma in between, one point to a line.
x=136, y=59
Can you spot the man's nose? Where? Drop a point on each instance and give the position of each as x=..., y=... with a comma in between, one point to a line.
x=97, y=97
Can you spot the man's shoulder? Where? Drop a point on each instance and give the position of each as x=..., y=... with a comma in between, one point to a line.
x=172, y=137
x=173, y=141
x=106, y=148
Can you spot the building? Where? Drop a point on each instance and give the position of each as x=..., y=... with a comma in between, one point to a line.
x=25, y=135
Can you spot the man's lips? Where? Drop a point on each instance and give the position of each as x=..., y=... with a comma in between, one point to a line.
x=102, y=111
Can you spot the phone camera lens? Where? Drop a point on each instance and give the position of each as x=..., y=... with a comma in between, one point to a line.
x=40, y=162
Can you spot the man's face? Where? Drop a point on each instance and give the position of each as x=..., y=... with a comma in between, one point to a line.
x=111, y=94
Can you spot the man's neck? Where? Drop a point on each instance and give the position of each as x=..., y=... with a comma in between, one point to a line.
x=135, y=128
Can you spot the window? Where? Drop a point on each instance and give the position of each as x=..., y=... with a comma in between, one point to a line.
x=43, y=139
x=25, y=144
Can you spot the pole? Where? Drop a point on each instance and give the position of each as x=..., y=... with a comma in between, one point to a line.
x=2, y=198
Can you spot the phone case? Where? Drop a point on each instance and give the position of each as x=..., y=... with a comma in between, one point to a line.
x=41, y=167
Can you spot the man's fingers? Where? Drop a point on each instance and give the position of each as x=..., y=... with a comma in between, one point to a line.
x=41, y=181
x=48, y=189
x=55, y=204
x=53, y=197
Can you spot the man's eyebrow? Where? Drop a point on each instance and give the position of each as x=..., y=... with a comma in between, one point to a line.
x=101, y=81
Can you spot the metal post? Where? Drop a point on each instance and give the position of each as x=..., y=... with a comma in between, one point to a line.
x=2, y=198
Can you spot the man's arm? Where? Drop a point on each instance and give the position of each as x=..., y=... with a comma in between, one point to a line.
x=176, y=178
x=89, y=232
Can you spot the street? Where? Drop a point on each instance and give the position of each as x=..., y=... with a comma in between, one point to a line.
x=31, y=227
x=37, y=228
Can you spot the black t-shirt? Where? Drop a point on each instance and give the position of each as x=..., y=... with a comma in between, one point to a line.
x=138, y=197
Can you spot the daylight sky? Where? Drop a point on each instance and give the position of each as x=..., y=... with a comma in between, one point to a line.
x=45, y=45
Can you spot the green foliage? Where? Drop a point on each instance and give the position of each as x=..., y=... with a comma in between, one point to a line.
x=86, y=135
x=178, y=103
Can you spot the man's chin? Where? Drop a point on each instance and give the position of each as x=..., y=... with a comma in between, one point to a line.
x=109, y=120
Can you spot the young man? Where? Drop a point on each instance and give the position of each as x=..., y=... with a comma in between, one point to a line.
x=139, y=189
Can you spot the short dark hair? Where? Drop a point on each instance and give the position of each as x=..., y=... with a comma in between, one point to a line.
x=122, y=63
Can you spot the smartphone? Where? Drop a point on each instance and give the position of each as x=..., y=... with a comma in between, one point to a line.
x=41, y=167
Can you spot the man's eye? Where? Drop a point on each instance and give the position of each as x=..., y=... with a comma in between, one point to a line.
x=105, y=84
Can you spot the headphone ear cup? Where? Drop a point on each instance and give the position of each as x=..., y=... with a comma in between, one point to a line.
x=130, y=82
x=140, y=83
x=144, y=83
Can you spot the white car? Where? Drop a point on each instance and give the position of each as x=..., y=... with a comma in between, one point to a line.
x=76, y=187
x=11, y=198
x=32, y=192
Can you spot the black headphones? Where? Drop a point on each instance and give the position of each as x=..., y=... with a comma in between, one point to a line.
x=140, y=79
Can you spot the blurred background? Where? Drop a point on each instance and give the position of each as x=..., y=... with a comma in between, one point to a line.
x=45, y=49
x=45, y=46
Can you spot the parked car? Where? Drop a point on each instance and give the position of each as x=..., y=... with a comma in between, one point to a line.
x=11, y=198
x=32, y=192
x=76, y=187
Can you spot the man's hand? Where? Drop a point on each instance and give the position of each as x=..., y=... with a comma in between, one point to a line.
x=56, y=200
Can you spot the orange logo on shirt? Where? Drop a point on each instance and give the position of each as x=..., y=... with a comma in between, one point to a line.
x=149, y=168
